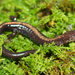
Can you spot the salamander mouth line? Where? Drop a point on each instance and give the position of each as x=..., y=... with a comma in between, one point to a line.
x=33, y=34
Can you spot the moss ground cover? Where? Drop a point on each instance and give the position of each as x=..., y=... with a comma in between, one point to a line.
x=51, y=18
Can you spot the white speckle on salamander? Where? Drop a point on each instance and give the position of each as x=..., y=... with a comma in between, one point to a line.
x=26, y=29
x=19, y=27
x=29, y=30
x=60, y=42
x=15, y=25
x=20, y=54
x=70, y=39
x=8, y=25
x=73, y=37
x=13, y=33
x=15, y=19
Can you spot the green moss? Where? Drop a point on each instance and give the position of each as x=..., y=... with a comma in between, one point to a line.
x=51, y=18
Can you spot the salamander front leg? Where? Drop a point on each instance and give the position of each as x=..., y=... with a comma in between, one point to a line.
x=13, y=33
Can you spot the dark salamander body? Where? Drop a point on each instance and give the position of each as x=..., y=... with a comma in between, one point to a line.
x=33, y=34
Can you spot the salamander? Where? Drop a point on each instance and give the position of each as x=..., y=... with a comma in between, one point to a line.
x=33, y=34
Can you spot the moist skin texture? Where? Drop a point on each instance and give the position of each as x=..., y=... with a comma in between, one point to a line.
x=33, y=34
